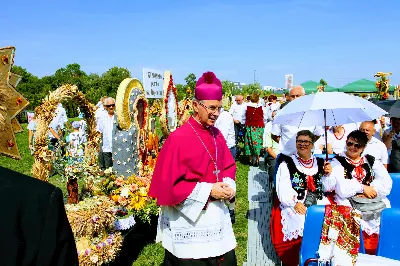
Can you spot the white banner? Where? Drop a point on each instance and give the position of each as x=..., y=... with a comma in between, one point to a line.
x=288, y=81
x=153, y=83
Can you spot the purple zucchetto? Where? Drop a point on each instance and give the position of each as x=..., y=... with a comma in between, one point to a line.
x=208, y=87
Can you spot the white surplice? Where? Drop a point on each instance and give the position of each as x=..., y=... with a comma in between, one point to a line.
x=189, y=232
x=292, y=222
x=346, y=188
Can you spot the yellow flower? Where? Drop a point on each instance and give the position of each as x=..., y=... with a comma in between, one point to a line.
x=143, y=192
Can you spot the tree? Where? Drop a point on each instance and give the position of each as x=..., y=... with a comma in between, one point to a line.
x=111, y=79
x=228, y=88
x=251, y=88
x=71, y=74
x=181, y=91
x=323, y=82
x=191, y=81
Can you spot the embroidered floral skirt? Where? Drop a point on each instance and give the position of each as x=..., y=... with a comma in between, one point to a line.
x=287, y=251
x=253, y=140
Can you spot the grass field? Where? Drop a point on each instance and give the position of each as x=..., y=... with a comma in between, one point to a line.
x=152, y=254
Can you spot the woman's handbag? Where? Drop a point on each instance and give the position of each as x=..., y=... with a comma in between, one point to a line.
x=370, y=208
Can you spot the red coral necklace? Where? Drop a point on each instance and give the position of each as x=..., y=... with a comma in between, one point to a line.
x=306, y=163
x=344, y=132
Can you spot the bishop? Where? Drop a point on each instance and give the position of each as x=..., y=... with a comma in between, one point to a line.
x=194, y=183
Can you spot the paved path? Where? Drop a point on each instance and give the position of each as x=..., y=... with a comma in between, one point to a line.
x=260, y=251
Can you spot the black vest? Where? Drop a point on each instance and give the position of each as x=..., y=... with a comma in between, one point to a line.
x=348, y=168
x=299, y=179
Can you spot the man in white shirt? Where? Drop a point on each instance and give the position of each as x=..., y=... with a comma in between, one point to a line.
x=285, y=135
x=225, y=124
x=105, y=127
x=375, y=147
x=237, y=110
x=100, y=109
x=61, y=115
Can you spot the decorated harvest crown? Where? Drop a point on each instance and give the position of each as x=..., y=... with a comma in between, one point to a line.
x=208, y=87
x=11, y=104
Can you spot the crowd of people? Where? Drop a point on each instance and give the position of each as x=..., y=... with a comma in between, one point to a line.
x=363, y=158
x=197, y=197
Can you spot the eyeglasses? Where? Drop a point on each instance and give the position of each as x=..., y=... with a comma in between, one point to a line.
x=213, y=109
x=109, y=105
x=303, y=142
x=295, y=96
x=351, y=144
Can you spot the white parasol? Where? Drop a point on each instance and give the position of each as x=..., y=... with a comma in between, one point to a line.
x=327, y=109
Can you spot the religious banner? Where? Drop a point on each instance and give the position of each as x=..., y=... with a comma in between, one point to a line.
x=153, y=83
x=288, y=81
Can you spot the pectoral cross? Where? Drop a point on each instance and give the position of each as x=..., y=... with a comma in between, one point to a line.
x=216, y=172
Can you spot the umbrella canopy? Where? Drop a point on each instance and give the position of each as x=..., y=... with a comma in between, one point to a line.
x=311, y=87
x=392, y=107
x=339, y=108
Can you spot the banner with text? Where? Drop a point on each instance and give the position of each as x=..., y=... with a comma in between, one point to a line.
x=153, y=83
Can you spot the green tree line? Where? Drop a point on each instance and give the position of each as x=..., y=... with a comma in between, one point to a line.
x=95, y=86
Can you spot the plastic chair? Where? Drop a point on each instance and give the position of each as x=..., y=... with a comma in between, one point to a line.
x=312, y=235
x=388, y=245
x=394, y=196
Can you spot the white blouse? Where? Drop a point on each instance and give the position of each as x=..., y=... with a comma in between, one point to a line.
x=292, y=222
x=346, y=188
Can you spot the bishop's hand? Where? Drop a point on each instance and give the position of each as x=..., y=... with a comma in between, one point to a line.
x=221, y=191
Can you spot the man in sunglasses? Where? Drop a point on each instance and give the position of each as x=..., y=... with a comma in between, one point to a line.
x=105, y=126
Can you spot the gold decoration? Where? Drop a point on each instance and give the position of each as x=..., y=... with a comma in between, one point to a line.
x=122, y=101
x=185, y=108
x=382, y=85
x=16, y=126
x=45, y=114
x=11, y=104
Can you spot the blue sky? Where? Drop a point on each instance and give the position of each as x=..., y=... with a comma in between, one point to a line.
x=337, y=40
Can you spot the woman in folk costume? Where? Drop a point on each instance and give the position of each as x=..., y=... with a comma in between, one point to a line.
x=255, y=119
x=299, y=184
x=363, y=183
x=194, y=183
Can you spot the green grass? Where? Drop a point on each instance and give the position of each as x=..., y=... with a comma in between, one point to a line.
x=152, y=254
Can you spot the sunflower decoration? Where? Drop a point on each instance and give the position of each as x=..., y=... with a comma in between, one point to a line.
x=11, y=104
x=382, y=85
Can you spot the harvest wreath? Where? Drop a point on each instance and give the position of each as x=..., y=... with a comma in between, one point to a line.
x=45, y=114
x=92, y=222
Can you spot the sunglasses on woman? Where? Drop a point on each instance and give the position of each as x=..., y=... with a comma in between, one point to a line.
x=351, y=144
x=109, y=105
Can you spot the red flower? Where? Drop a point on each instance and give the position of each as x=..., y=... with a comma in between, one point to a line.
x=4, y=59
x=354, y=251
x=19, y=100
x=310, y=184
x=10, y=143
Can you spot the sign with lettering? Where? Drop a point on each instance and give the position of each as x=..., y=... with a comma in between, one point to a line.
x=153, y=83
